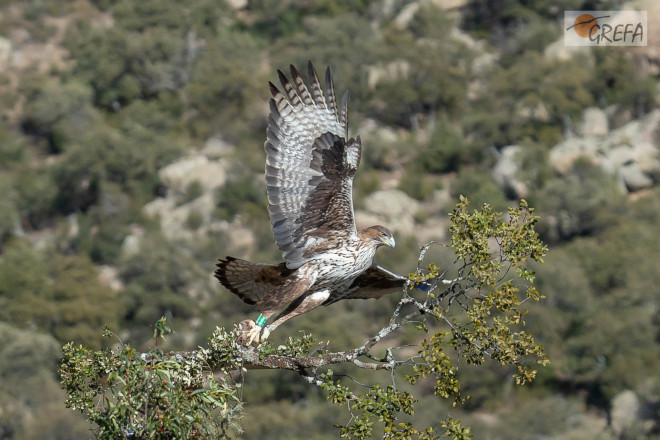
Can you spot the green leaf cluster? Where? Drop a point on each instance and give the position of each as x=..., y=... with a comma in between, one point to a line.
x=491, y=247
x=127, y=394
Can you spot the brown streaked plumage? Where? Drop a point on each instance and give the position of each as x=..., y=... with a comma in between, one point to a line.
x=310, y=166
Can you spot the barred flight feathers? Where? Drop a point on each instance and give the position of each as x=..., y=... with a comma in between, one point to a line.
x=310, y=164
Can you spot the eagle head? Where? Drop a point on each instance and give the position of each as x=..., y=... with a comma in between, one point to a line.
x=378, y=234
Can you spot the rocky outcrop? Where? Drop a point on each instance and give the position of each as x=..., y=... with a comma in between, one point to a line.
x=630, y=416
x=631, y=152
x=392, y=208
x=392, y=71
x=109, y=276
x=237, y=4
x=216, y=148
x=563, y=155
x=197, y=167
x=506, y=172
x=187, y=214
x=175, y=220
x=408, y=12
x=594, y=123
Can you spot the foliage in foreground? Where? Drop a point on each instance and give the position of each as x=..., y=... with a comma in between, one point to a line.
x=465, y=313
x=127, y=394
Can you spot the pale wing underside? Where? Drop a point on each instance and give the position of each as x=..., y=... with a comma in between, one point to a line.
x=310, y=165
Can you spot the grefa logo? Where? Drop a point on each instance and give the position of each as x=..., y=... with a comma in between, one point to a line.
x=605, y=28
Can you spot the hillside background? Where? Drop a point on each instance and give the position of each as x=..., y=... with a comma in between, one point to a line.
x=131, y=158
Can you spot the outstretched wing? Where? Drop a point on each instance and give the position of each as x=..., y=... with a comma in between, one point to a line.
x=310, y=165
x=372, y=283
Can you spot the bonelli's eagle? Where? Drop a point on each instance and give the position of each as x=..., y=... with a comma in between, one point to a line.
x=310, y=165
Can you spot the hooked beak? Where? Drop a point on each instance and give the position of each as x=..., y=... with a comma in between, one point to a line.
x=388, y=241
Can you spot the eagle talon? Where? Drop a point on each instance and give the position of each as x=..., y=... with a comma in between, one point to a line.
x=251, y=333
x=245, y=332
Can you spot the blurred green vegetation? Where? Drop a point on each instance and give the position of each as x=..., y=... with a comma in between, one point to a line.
x=143, y=83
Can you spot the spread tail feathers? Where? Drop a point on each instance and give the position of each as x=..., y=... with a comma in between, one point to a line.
x=250, y=281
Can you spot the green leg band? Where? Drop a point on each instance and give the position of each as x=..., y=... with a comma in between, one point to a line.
x=261, y=320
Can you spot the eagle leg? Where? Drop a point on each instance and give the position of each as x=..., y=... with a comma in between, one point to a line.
x=300, y=302
x=303, y=304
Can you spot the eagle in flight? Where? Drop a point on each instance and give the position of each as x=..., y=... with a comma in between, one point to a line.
x=310, y=166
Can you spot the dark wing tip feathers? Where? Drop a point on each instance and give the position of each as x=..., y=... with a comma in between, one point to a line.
x=273, y=89
x=283, y=79
x=329, y=82
x=329, y=100
x=221, y=271
x=317, y=90
x=221, y=275
x=221, y=266
x=311, y=72
x=294, y=71
x=328, y=77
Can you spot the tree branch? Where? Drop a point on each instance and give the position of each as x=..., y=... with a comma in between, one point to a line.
x=473, y=308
